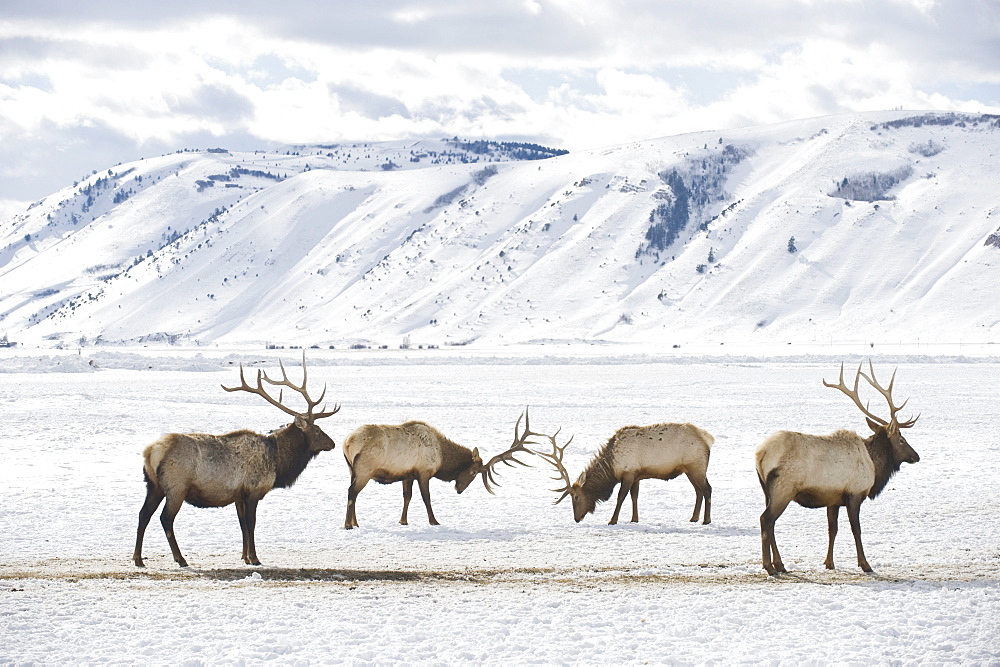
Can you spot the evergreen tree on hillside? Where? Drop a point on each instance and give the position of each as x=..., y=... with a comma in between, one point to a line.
x=667, y=220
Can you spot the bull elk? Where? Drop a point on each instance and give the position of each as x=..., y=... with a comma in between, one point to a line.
x=238, y=467
x=635, y=453
x=417, y=451
x=832, y=471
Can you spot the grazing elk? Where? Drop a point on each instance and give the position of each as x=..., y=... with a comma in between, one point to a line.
x=239, y=467
x=831, y=471
x=417, y=451
x=635, y=453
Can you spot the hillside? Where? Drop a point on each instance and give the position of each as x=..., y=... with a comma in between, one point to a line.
x=880, y=227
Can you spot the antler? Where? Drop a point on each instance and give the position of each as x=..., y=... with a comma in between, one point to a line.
x=507, y=457
x=556, y=458
x=260, y=391
x=853, y=394
x=886, y=392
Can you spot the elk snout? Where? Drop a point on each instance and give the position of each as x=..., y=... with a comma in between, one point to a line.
x=909, y=453
x=321, y=441
x=324, y=443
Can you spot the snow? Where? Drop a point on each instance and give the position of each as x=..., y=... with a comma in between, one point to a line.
x=507, y=578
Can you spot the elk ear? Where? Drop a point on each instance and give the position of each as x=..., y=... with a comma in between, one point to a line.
x=475, y=454
x=300, y=422
x=874, y=426
x=582, y=480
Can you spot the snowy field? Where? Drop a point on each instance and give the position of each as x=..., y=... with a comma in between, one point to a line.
x=507, y=578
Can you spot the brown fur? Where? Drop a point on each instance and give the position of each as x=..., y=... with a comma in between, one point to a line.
x=635, y=453
x=218, y=470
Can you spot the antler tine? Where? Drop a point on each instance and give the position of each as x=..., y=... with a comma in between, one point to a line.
x=887, y=394
x=285, y=382
x=508, y=457
x=555, y=458
x=301, y=390
x=853, y=393
x=284, y=378
x=260, y=391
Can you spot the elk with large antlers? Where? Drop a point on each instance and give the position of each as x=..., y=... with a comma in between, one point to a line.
x=240, y=467
x=833, y=471
x=416, y=451
x=635, y=453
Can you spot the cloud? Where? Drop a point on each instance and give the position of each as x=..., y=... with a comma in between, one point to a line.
x=101, y=82
x=214, y=104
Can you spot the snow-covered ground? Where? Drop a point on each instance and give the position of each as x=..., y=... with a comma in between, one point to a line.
x=507, y=578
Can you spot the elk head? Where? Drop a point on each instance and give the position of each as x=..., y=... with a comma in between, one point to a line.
x=305, y=422
x=901, y=449
x=467, y=475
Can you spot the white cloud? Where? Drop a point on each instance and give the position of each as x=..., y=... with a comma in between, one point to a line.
x=567, y=72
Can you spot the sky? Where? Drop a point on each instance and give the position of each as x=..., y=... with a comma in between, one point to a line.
x=86, y=86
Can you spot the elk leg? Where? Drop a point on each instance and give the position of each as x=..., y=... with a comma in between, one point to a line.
x=634, y=492
x=626, y=485
x=170, y=511
x=854, y=515
x=407, y=494
x=425, y=492
x=832, y=512
x=241, y=513
x=357, y=484
x=153, y=499
x=702, y=491
x=251, y=523
x=771, y=559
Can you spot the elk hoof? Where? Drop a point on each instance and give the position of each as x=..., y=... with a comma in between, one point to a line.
x=139, y=563
x=182, y=563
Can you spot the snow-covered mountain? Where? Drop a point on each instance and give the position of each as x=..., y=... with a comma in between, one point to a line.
x=882, y=227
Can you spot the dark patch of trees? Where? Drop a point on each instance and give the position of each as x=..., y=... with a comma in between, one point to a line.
x=669, y=219
x=871, y=186
x=511, y=149
x=941, y=119
x=236, y=172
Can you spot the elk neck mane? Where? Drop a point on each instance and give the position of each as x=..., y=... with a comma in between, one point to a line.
x=454, y=458
x=290, y=451
x=880, y=449
x=600, y=472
